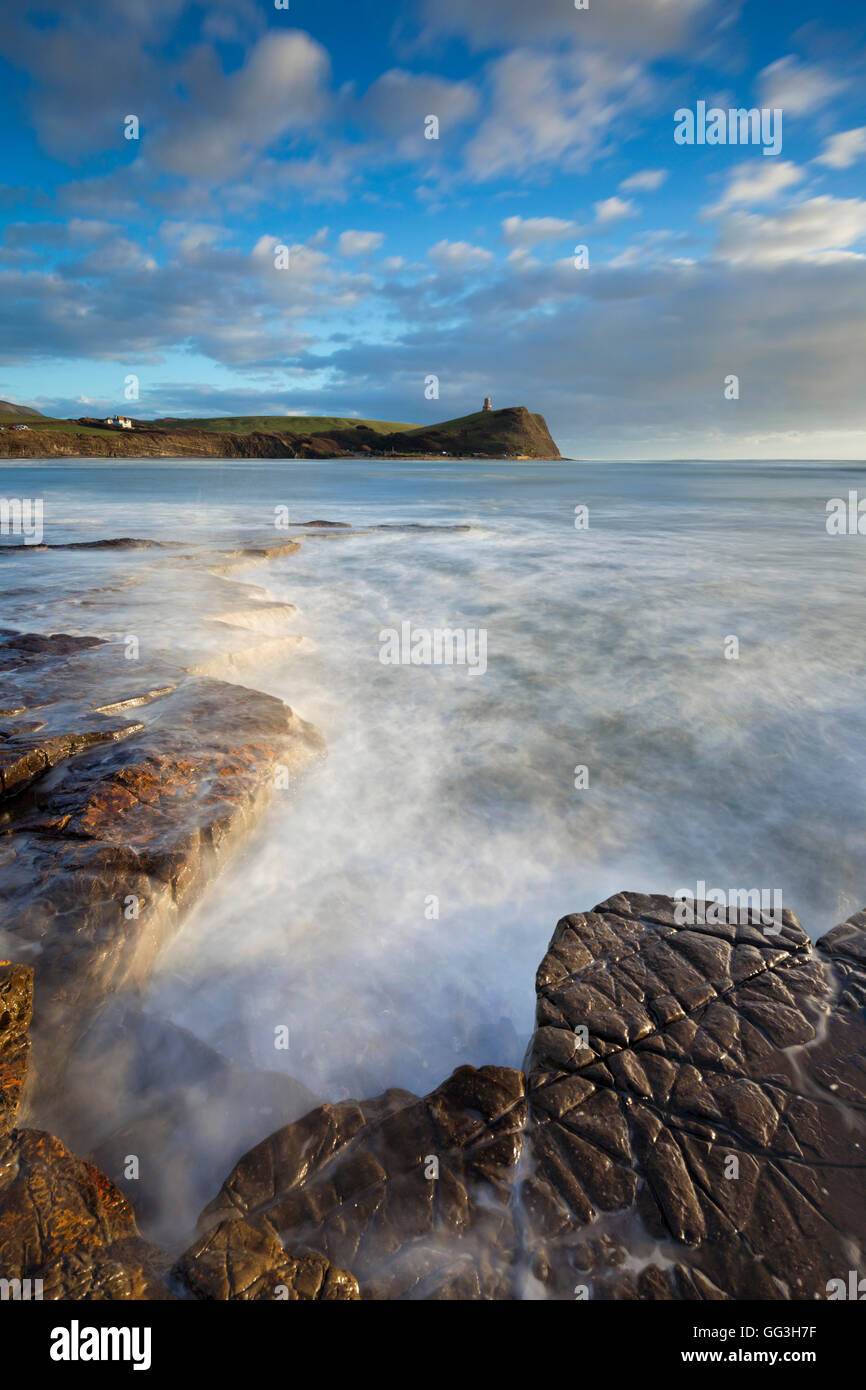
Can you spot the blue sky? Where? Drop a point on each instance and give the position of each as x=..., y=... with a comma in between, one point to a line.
x=410, y=257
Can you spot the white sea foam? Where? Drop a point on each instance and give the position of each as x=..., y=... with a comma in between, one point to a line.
x=605, y=650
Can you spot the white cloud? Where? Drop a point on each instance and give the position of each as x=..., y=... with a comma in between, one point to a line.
x=797, y=87
x=459, y=256
x=531, y=231
x=755, y=182
x=283, y=87
x=613, y=210
x=548, y=110
x=645, y=26
x=844, y=149
x=399, y=102
x=359, y=243
x=646, y=181
x=820, y=229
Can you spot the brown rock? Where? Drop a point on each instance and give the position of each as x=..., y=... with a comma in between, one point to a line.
x=412, y=1195
x=16, y=1008
x=64, y=1223
x=65, y=1229
x=714, y=1112
x=100, y=865
x=239, y=1261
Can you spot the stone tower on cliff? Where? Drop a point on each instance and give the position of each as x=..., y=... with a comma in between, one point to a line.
x=487, y=403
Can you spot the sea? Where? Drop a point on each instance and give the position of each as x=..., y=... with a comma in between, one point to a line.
x=672, y=695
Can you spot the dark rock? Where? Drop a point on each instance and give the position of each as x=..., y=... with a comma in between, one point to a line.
x=704, y=1140
x=845, y=946
x=414, y=1196
x=239, y=1261
x=701, y=1140
x=711, y=1050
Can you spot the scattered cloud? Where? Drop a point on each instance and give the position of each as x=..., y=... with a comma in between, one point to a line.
x=399, y=103
x=844, y=149
x=359, y=243
x=459, y=256
x=819, y=229
x=645, y=181
x=754, y=183
x=646, y=26
x=613, y=210
x=526, y=232
x=797, y=87
x=553, y=111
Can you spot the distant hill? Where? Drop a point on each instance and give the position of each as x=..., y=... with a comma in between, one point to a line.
x=280, y=424
x=10, y=408
x=511, y=433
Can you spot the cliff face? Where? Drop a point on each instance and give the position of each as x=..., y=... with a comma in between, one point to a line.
x=510, y=433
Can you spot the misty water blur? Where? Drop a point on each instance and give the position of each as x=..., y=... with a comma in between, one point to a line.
x=391, y=912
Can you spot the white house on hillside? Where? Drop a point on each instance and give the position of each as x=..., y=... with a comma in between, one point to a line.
x=122, y=420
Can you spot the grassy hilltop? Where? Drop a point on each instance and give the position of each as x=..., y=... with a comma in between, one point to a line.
x=509, y=433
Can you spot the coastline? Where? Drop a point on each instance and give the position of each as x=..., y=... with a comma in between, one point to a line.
x=556, y=1146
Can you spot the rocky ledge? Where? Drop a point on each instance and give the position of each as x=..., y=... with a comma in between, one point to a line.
x=124, y=786
x=689, y=1126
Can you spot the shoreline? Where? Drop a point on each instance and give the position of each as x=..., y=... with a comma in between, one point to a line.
x=700, y=1041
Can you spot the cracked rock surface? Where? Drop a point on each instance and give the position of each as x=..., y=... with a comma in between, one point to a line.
x=690, y=1126
x=709, y=1109
x=414, y=1196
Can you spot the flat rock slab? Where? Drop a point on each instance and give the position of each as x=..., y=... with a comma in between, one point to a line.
x=696, y=1090
x=114, y=825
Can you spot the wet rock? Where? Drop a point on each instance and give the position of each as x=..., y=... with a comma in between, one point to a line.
x=845, y=947
x=238, y=1261
x=62, y=1222
x=413, y=1195
x=691, y=1127
x=695, y=1089
x=16, y=1007
x=103, y=848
